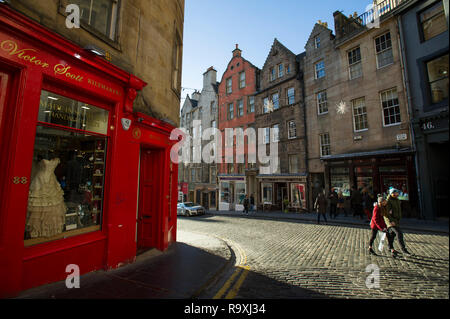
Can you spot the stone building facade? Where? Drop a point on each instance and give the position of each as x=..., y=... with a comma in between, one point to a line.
x=127, y=32
x=280, y=114
x=358, y=119
x=198, y=113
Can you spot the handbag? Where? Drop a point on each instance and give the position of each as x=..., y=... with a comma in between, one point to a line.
x=382, y=239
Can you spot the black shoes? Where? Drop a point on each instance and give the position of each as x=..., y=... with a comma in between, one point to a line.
x=405, y=251
x=394, y=253
x=372, y=252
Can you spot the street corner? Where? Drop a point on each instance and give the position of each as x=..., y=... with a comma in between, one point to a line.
x=209, y=243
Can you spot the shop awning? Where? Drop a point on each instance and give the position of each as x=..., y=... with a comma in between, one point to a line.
x=378, y=153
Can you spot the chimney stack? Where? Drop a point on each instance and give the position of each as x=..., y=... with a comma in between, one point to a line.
x=237, y=51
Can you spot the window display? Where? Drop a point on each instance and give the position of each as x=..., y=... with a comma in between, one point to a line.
x=298, y=195
x=267, y=193
x=340, y=180
x=225, y=192
x=67, y=176
x=240, y=193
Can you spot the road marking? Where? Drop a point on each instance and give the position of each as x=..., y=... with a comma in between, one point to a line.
x=227, y=284
x=233, y=292
x=241, y=269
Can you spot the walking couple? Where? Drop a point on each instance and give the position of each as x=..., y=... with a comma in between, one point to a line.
x=386, y=218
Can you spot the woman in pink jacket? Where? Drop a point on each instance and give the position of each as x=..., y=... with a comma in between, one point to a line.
x=377, y=222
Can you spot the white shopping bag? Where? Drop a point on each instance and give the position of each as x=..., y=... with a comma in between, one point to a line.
x=381, y=245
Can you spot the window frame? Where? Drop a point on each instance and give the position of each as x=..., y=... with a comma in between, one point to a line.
x=316, y=71
x=290, y=137
x=382, y=51
x=322, y=145
x=242, y=82
x=289, y=96
x=230, y=111
x=429, y=93
x=277, y=100
x=420, y=22
x=276, y=134
x=382, y=107
x=353, y=61
x=319, y=103
x=364, y=114
x=240, y=107
x=280, y=70
x=251, y=106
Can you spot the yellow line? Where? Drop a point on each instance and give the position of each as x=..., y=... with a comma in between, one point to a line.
x=227, y=284
x=233, y=292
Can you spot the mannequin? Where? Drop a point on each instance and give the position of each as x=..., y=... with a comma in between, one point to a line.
x=46, y=207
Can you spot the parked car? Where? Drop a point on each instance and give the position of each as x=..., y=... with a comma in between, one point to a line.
x=190, y=209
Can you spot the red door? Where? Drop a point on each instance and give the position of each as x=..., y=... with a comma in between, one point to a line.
x=4, y=83
x=150, y=190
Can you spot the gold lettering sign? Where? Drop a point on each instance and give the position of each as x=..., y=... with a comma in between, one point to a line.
x=11, y=47
x=29, y=55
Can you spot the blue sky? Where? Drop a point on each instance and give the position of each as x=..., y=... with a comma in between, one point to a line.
x=213, y=27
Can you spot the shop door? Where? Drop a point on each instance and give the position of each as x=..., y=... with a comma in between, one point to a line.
x=4, y=82
x=150, y=190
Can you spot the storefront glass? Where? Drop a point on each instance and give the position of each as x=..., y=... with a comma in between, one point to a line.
x=398, y=182
x=225, y=192
x=67, y=177
x=340, y=180
x=364, y=179
x=239, y=193
x=267, y=193
x=298, y=195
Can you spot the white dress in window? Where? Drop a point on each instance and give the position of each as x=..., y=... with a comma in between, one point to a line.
x=46, y=207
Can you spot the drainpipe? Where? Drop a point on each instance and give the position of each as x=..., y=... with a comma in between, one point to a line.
x=305, y=139
x=409, y=110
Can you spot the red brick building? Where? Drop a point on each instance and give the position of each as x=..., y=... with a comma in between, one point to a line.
x=236, y=101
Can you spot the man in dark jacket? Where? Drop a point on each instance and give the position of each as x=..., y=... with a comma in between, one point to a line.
x=392, y=220
x=356, y=203
x=333, y=203
x=246, y=203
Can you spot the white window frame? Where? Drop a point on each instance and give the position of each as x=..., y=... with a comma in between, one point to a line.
x=394, y=106
x=352, y=65
x=317, y=42
x=275, y=107
x=242, y=80
x=360, y=115
x=323, y=102
x=266, y=139
x=251, y=106
x=323, y=145
x=280, y=70
x=229, y=85
x=265, y=105
x=290, y=95
x=382, y=51
x=290, y=137
x=317, y=71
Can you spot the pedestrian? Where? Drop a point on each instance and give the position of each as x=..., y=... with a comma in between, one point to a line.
x=377, y=221
x=356, y=203
x=246, y=203
x=333, y=203
x=340, y=204
x=320, y=206
x=392, y=219
x=252, y=202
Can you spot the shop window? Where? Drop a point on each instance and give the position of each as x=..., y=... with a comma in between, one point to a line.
x=433, y=21
x=100, y=15
x=225, y=192
x=68, y=172
x=298, y=195
x=239, y=193
x=438, y=78
x=267, y=193
x=398, y=182
x=364, y=178
x=340, y=180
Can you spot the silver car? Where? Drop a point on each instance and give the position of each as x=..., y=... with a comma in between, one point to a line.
x=190, y=209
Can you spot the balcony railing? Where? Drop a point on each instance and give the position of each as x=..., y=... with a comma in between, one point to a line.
x=370, y=18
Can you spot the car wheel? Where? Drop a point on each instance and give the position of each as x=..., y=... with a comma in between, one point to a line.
x=186, y=213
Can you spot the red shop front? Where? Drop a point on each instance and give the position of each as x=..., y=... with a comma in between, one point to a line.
x=84, y=179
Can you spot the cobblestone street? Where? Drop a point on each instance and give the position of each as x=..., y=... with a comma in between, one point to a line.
x=300, y=259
